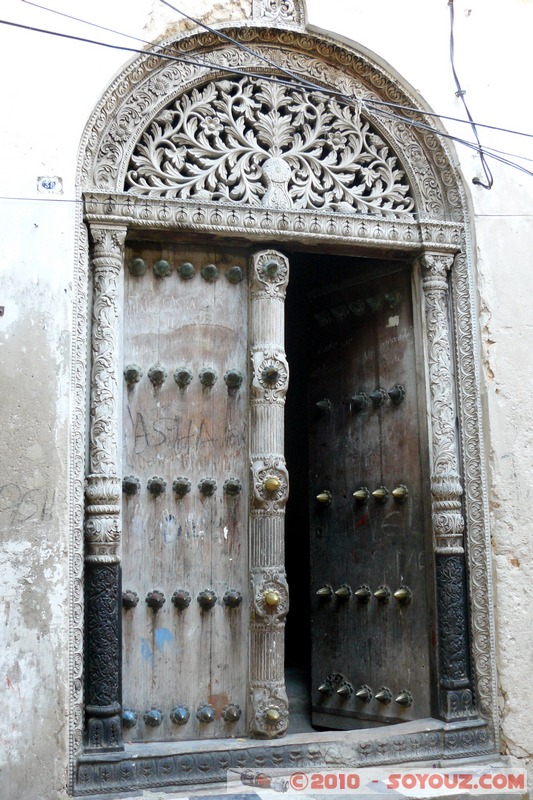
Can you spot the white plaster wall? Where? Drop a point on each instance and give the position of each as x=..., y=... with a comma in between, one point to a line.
x=49, y=89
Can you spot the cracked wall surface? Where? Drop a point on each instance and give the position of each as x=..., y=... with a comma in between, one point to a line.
x=51, y=90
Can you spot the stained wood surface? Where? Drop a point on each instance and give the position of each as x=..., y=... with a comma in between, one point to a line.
x=194, y=542
x=363, y=338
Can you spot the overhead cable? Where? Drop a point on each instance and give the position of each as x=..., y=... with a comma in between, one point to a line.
x=461, y=94
x=294, y=82
x=298, y=78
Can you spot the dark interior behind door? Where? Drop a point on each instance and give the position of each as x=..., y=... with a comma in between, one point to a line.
x=355, y=349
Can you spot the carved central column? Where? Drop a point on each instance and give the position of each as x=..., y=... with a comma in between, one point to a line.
x=102, y=496
x=448, y=523
x=270, y=486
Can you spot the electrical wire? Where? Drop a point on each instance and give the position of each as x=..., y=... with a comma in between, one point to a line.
x=180, y=59
x=225, y=37
x=461, y=93
x=477, y=148
x=85, y=22
x=299, y=79
x=401, y=107
x=243, y=73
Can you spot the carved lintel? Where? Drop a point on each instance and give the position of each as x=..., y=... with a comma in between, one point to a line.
x=208, y=216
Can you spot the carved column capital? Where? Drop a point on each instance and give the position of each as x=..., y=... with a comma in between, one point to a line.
x=108, y=243
x=102, y=530
x=435, y=266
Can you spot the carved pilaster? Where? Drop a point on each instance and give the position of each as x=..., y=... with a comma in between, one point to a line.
x=102, y=501
x=270, y=487
x=446, y=490
x=107, y=261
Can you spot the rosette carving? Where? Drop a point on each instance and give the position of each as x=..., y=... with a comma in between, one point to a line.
x=275, y=498
x=270, y=275
x=270, y=594
x=270, y=710
x=270, y=374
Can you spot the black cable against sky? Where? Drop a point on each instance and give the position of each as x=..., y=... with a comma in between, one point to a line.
x=244, y=73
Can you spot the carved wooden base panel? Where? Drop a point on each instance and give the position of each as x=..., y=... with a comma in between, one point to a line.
x=139, y=769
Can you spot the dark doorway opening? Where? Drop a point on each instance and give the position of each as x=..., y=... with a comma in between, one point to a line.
x=382, y=445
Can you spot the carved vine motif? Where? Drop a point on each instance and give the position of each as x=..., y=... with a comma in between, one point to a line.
x=103, y=639
x=256, y=142
x=446, y=489
x=107, y=262
x=278, y=11
x=452, y=621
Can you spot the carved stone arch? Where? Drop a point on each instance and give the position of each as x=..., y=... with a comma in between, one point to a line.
x=433, y=225
x=146, y=91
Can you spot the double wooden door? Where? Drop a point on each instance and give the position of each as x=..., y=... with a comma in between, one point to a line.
x=186, y=465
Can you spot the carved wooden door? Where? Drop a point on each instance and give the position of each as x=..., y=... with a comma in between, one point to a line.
x=185, y=466
x=370, y=604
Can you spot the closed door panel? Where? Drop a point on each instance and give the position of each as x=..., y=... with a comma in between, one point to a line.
x=185, y=465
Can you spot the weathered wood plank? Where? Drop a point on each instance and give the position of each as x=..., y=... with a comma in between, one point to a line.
x=192, y=542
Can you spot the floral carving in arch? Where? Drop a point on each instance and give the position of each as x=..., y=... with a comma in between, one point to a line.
x=368, y=165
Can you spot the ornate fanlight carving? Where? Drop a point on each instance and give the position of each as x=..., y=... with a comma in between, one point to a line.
x=264, y=144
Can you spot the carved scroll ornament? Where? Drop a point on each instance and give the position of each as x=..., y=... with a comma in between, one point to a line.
x=279, y=11
x=263, y=144
x=448, y=522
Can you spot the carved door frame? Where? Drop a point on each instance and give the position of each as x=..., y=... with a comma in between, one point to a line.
x=435, y=231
